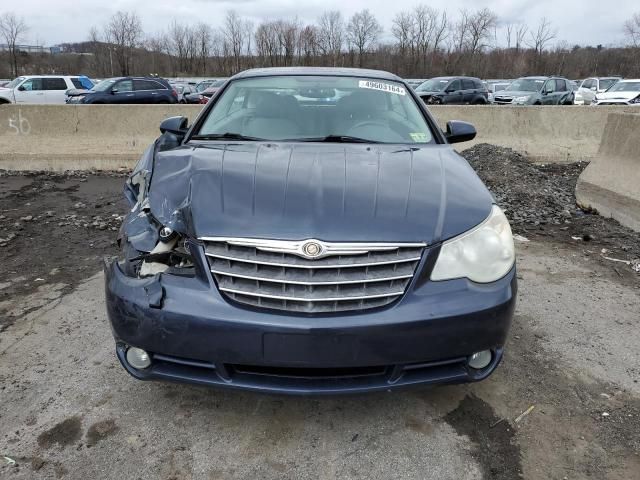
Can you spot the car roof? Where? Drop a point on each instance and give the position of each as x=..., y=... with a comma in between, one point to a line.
x=537, y=78
x=629, y=80
x=115, y=79
x=47, y=76
x=452, y=77
x=319, y=71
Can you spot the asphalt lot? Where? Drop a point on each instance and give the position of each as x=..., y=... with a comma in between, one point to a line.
x=68, y=410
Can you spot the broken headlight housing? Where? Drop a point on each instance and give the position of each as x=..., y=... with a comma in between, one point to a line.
x=170, y=255
x=483, y=254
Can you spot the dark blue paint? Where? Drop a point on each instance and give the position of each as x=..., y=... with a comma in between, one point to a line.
x=334, y=192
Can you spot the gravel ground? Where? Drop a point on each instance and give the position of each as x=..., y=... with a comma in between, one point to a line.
x=539, y=201
x=68, y=410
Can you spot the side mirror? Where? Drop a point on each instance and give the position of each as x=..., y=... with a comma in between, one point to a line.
x=458, y=131
x=175, y=125
x=593, y=88
x=114, y=90
x=21, y=88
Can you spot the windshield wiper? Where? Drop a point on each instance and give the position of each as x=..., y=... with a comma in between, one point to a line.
x=334, y=139
x=227, y=136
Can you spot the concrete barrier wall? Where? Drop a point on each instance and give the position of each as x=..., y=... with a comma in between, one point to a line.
x=61, y=137
x=77, y=137
x=544, y=134
x=611, y=182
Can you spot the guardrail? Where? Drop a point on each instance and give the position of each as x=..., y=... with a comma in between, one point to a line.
x=107, y=137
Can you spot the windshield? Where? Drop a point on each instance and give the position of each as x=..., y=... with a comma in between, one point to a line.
x=525, y=85
x=202, y=86
x=14, y=83
x=317, y=108
x=625, y=87
x=104, y=85
x=433, y=85
x=607, y=82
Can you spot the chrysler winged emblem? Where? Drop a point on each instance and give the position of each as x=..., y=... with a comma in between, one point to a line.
x=312, y=249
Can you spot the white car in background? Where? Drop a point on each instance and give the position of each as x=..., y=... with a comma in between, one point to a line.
x=494, y=86
x=39, y=89
x=624, y=92
x=590, y=87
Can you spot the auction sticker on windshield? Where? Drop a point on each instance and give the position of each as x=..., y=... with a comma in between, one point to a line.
x=383, y=87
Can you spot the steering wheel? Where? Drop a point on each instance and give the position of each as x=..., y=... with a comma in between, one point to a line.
x=369, y=123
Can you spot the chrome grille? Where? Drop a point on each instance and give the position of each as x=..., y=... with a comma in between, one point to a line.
x=374, y=276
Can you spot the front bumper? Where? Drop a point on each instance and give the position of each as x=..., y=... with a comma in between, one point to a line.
x=195, y=335
x=626, y=103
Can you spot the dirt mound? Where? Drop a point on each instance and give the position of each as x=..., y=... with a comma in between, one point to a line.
x=539, y=200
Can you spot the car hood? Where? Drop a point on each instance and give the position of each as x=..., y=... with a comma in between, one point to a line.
x=75, y=92
x=513, y=93
x=621, y=95
x=333, y=192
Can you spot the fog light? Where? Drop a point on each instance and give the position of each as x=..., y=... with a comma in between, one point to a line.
x=480, y=360
x=138, y=358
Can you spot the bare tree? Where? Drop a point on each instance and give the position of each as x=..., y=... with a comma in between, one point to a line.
x=521, y=33
x=266, y=43
x=460, y=31
x=481, y=23
x=237, y=37
x=363, y=31
x=178, y=46
x=12, y=29
x=632, y=29
x=331, y=35
x=307, y=44
x=540, y=38
x=402, y=30
x=156, y=45
x=124, y=32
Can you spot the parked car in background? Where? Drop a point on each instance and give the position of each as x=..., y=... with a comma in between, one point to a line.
x=415, y=82
x=623, y=92
x=494, y=86
x=252, y=262
x=183, y=90
x=202, y=85
x=536, y=91
x=127, y=90
x=453, y=90
x=590, y=87
x=40, y=88
x=202, y=95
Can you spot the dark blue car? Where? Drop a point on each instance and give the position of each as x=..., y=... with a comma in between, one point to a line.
x=312, y=232
x=126, y=90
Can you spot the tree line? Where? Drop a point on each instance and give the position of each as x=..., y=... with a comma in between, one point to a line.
x=422, y=42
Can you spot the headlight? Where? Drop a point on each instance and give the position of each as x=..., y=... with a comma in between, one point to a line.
x=522, y=99
x=483, y=254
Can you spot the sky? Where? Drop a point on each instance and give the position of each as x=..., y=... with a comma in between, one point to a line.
x=582, y=22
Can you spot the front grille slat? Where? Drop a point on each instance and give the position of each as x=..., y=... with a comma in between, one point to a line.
x=370, y=278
